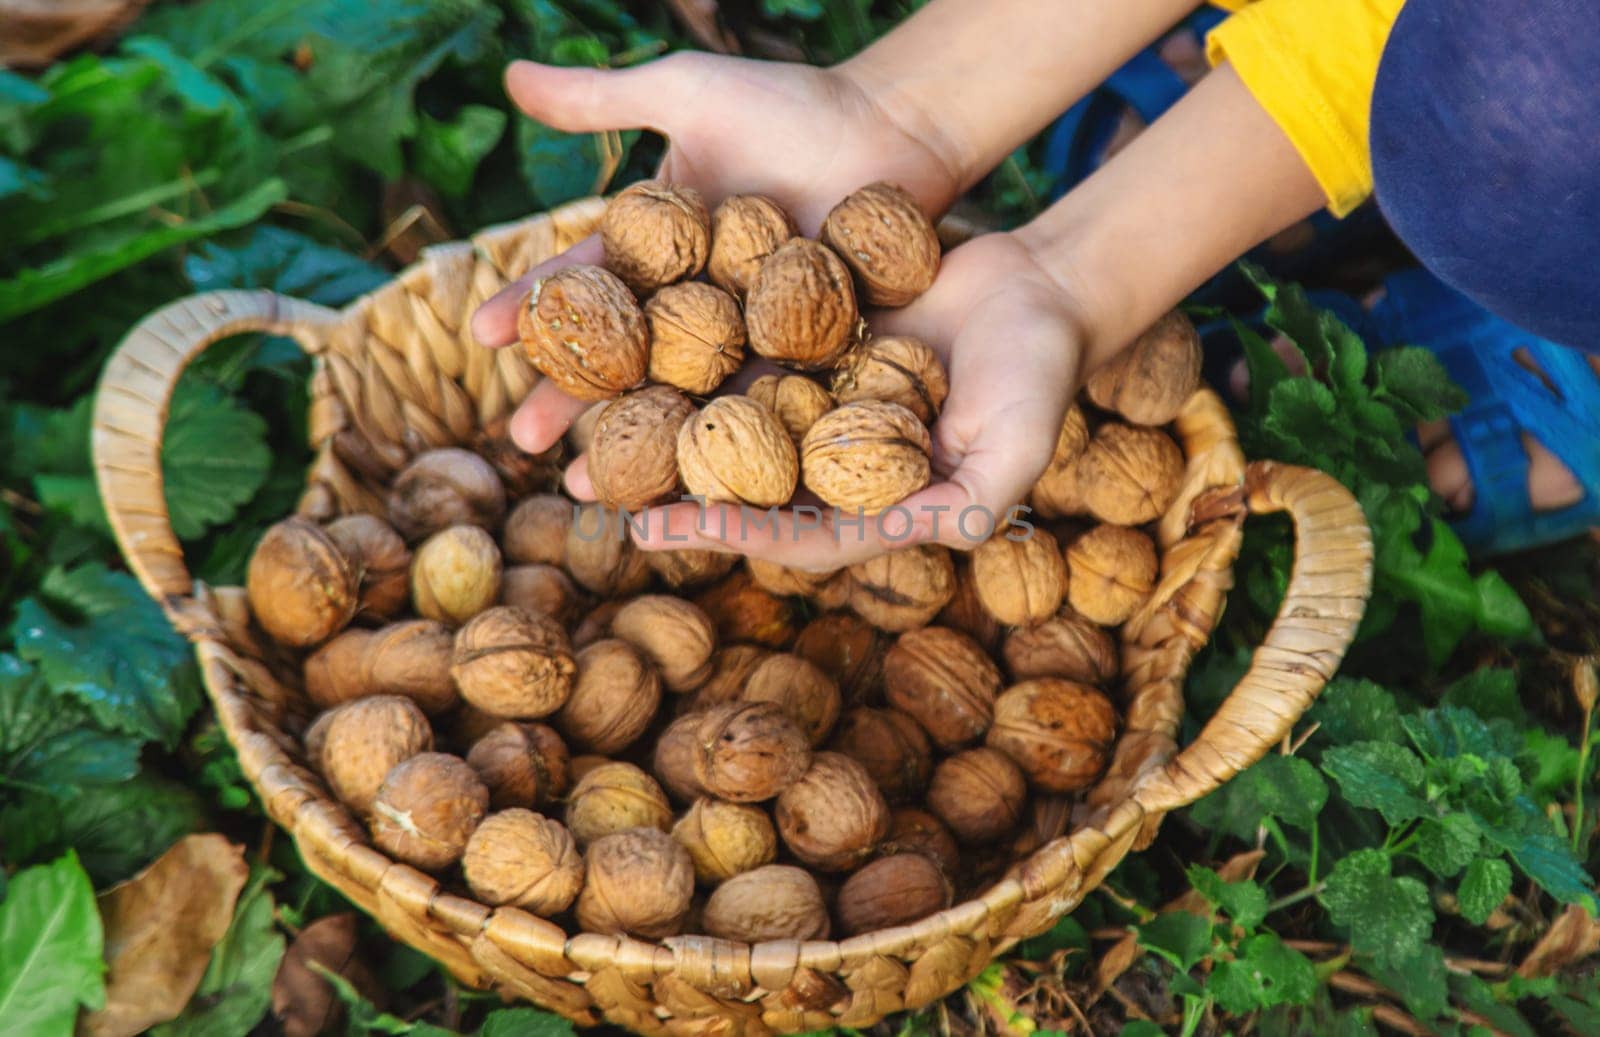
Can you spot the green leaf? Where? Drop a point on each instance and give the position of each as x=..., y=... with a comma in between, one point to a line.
x=47, y=743
x=1283, y=787
x=286, y=262
x=1178, y=936
x=1486, y=883
x=556, y=166
x=1245, y=902
x=50, y=941
x=1356, y=710
x=524, y=1022
x=1490, y=692
x=1421, y=981
x=1389, y=918
x=1548, y=860
x=236, y=989
x=1447, y=844
x=1066, y=934
x=115, y=829
x=99, y=639
x=448, y=153
x=1262, y=974
x=214, y=457
x=1380, y=776
x=1412, y=379
x=1137, y=1027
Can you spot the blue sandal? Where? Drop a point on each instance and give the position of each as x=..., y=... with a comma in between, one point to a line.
x=1477, y=349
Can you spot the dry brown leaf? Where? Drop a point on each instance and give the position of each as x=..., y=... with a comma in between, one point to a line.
x=1573, y=935
x=160, y=927
x=302, y=1000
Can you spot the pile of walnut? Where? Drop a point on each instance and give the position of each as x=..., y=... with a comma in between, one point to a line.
x=515, y=698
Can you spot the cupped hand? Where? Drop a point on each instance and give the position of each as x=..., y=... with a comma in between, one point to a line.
x=804, y=136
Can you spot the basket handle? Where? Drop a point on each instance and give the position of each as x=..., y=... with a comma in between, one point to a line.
x=1328, y=590
x=130, y=414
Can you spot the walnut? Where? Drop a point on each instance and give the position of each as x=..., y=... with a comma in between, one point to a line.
x=743, y=752
x=469, y=723
x=891, y=891
x=834, y=817
x=412, y=658
x=1056, y=494
x=890, y=745
x=797, y=686
x=782, y=580
x=655, y=233
x=523, y=765
x=897, y=369
x=673, y=634
x=745, y=229
x=381, y=560
x=731, y=667
x=536, y=530
x=1149, y=381
x=427, y=809
x=520, y=472
x=302, y=588
x=725, y=839
x=690, y=567
x=545, y=589
x=455, y=574
x=601, y=555
x=314, y=738
x=736, y=450
x=1020, y=574
x=596, y=623
x=613, y=700
x=903, y=589
x=696, y=336
x=633, y=459
x=801, y=310
x=866, y=456
x=888, y=242
x=1065, y=645
x=1113, y=571
x=741, y=611
x=966, y=613
x=795, y=399
x=638, y=882
x=1129, y=475
x=979, y=793
x=615, y=797
x=581, y=432
x=944, y=680
x=335, y=673
x=523, y=859
x=1060, y=733
x=913, y=830
x=583, y=330
x=832, y=593
x=513, y=663
x=848, y=649
x=446, y=487
x=777, y=902
x=364, y=740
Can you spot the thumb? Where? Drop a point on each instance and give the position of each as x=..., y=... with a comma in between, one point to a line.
x=592, y=100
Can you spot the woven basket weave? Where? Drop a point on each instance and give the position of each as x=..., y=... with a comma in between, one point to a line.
x=398, y=373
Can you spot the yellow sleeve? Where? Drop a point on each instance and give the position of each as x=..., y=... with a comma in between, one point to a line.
x=1312, y=65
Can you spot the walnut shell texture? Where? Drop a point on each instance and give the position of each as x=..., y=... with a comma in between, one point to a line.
x=965, y=611
x=446, y=487
x=777, y=902
x=795, y=399
x=945, y=681
x=524, y=859
x=412, y=658
x=655, y=233
x=427, y=809
x=748, y=752
x=736, y=450
x=914, y=830
x=582, y=431
x=601, y=555
x=807, y=696
x=545, y=589
x=745, y=229
x=364, y=740
x=584, y=330
x=535, y=532
x=979, y=793
x=1066, y=645
x=731, y=667
x=691, y=567
x=513, y=663
x=334, y=672
x=1129, y=475
x=891, y=891
x=1056, y=493
x=1113, y=571
x=638, y=882
x=615, y=797
x=834, y=817
x=1020, y=575
x=897, y=369
x=725, y=839
x=522, y=765
x=891, y=746
x=614, y=698
x=1061, y=734
x=455, y=574
x=1149, y=381
x=742, y=611
x=887, y=241
x=697, y=336
x=302, y=588
x=381, y=560
x=674, y=634
x=780, y=579
x=848, y=649
x=866, y=455
x=801, y=310
x=633, y=458
x=903, y=589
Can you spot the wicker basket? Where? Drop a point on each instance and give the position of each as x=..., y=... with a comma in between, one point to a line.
x=398, y=373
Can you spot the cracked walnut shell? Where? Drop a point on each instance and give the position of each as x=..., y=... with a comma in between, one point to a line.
x=887, y=240
x=1129, y=475
x=1020, y=575
x=866, y=456
x=638, y=882
x=696, y=336
x=801, y=310
x=896, y=368
x=945, y=681
x=584, y=330
x=655, y=233
x=1060, y=733
x=737, y=451
x=524, y=859
x=513, y=663
x=1150, y=380
x=633, y=458
x=833, y=817
x=1113, y=572
x=795, y=399
x=427, y=809
x=745, y=229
